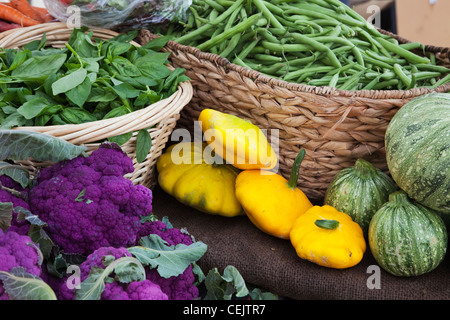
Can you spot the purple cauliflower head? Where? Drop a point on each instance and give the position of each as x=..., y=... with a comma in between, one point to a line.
x=172, y=236
x=88, y=204
x=23, y=226
x=18, y=250
x=181, y=287
x=95, y=259
x=135, y=290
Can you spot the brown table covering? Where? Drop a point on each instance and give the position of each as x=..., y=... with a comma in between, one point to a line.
x=272, y=264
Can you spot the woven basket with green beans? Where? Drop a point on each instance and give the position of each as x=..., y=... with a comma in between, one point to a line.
x=315, y=42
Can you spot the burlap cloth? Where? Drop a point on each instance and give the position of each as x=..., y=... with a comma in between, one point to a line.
x=272, y=264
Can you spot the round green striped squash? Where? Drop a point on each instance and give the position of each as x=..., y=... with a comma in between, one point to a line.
x=417, y=145
x=359, y=191
x=406, y=238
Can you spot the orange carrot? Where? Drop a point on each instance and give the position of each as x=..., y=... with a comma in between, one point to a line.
x=10, y=14
x=25, y=7
x=46, y=17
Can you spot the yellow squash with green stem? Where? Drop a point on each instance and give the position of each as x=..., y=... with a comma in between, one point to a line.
x=239, y=142
x=271, y=202
x=328, y=237
x=191, y=173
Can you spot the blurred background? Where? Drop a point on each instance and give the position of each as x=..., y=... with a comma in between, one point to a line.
x=425, y=21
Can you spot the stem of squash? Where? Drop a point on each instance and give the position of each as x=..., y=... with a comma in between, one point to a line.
x=292, y=183
x=327, y=224
x=364, y=169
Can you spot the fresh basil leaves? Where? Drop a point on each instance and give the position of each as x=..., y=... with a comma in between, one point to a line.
x=88, y=80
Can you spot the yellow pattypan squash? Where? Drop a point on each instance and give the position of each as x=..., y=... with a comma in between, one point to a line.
x=188, y=172
x=271, y=202
x=239, y=142
x=328, y=237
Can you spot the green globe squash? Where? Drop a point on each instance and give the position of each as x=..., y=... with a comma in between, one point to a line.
x=417, y=145
x=406, y=238
x=359, y=191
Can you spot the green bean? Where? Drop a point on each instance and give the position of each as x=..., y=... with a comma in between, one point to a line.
x=351, y=82
x=219, y=30
x=413, y=82
x=432, y=59
x=243, y=14
x=267, y=35
x=236, y=38
x=345, y=68
x=316, y=45
x=427, y=75
x=334, y=80
x=313, y=70
x=376, y=62
x=243, y=54
x=408, y=55
x=376, y=46
x=262, y=22
x=371, y=84
x=442, y=81
x=304, y=60
x=385, y=75
x=242, y=26
x=215, y=5
x=198, y=19
x=278, y=32
x=273, y=8
x=344, y=41
x=274, y=47
x=322, y=3
x=384, y=58
x=205, y=27
x=411, y=45
x=431, y=67
x=401, y=75
x=213, y=15
x=273, y=68
x=240, y=62
x=313, y=14
x=267, y=57
x=324, y=81
x=331, y=14
x=311, y=24
x=386, y=84
x=225, y=3
x=230, y=46
x=266, y=12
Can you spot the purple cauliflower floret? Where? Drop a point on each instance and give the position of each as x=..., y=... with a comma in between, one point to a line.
x=181, y=287
x=135, y=290
x=11, y=184
x=172, y=236
x=95, y=259
x=23, y=226
x=18, y=250
x=88, y=204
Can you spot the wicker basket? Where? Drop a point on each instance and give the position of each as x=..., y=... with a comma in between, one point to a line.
x=335, y=127
x=162, y=116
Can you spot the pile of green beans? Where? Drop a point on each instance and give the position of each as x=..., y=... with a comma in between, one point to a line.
x=315, y=42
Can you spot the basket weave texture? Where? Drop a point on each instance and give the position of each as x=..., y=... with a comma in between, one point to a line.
x=335, y=127
x=161, y=116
